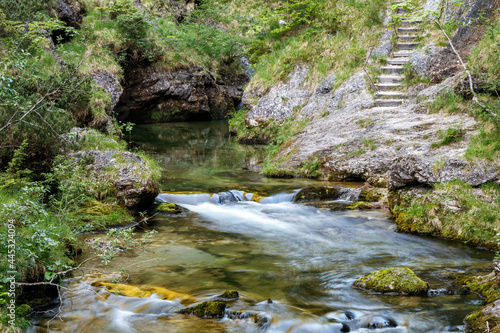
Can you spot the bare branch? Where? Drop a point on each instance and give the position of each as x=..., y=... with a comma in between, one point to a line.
x=471, y=85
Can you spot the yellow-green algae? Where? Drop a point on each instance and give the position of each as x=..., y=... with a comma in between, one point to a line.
x=395, y=280
x=145, y=291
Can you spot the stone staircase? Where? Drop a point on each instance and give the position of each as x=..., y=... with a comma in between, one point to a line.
x=389, y=95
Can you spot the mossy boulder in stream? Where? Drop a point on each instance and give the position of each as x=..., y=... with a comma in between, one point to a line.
x=209, y=309
x=318, y=193
x=486, y=319
x=229, y=295
x=169, y=208
x=396, y=280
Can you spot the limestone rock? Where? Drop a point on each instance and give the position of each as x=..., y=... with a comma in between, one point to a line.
x=130, y=176
x=385, y=45
x=110, y=84
x=282, y=100
x=397, y=280
x=410, y=170
x=70, y=13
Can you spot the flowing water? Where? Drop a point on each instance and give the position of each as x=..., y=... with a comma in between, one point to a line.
x=302, y=258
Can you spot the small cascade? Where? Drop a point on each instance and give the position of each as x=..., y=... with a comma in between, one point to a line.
x=280, y=197
x=223, y=198
x=350, y=194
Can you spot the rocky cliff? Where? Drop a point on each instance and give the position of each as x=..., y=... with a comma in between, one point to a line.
x=153, y=95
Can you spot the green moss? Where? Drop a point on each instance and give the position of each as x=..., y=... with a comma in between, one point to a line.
x=397, y=280
x=230, y=294
x=357, y=205
x=483, y=320
x=96, y=208
x=452, y=210
x=170, y=208
x=485, y=286
x=206, y=310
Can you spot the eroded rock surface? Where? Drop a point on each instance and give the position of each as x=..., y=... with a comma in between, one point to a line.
x=156, y=95
x=282, y=100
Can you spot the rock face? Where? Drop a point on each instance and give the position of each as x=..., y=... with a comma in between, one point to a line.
x=282, y=100
x=69, y=12
x=154, y=95
x=110, y=84
x=129, y=174
x=397, y=281
x=412, y=170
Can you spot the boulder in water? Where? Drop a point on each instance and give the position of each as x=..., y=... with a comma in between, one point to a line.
x=229, y=295
x=318, y=193
x=396, y=281
x=208, y=310
x=169, y=208
x=226, y=198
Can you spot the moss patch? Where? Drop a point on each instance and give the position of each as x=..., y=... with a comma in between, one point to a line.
x=396, y=280
x=169, y=208
x=453, y=210
x=206, y=310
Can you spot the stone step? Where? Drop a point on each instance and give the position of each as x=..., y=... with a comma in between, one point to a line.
x=406, y=45
x=409, y=22
x=388, y=102
x=408, y=30
x=384, y=108
x=387, y=86
x=389, y=95
x=402, y=54
x=390, y=78
x=392, y=69
x=407, y=38
x=398, y=61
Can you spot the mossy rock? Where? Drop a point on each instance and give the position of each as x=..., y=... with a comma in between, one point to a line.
x=486, y=286
x=396, y=280
x=373, y=194
x=209, y=309
x=169, y=208
x=229, y=295
x=317, y=193
x=486, y=319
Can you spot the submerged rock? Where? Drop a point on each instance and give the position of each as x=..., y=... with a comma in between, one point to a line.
x=230, y=295
x=209, y=309
x=225, y=198
x=396, y=280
